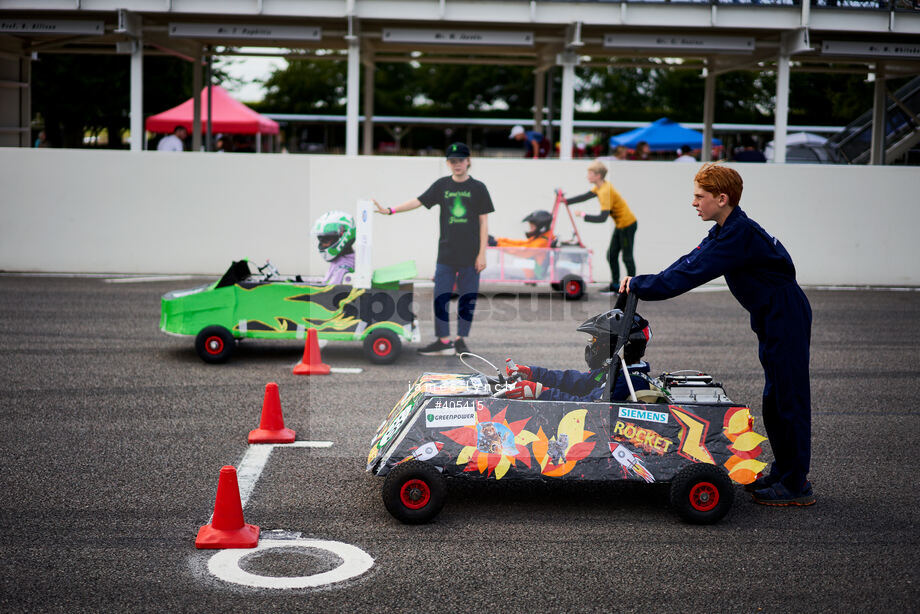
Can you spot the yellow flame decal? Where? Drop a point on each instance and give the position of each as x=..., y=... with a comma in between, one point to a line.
x=465, y=455
x=745, y=472
x=738, y=423
x=748, y=441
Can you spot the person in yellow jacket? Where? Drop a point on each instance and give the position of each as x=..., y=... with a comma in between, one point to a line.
x=539, y=235
x=612, y=205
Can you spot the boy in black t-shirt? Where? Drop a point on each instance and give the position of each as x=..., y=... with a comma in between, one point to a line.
x=465, y=203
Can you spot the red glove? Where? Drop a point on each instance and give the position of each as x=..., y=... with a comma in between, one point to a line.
x=512, y=369
x=525, y=390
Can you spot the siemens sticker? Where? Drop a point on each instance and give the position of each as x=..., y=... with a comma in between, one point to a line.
x=436, y=418
x=633, y=413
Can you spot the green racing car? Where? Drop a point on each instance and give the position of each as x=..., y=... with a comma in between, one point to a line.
x=262, y=304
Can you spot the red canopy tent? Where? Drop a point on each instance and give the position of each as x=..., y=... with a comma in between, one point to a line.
x=230, y=116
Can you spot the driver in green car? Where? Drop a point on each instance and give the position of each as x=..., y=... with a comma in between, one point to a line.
x=335, y=233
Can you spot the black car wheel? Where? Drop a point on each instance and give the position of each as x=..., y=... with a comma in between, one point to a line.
x=215, y=344
x=702, y=493
x=414, y=492
x=382, y=346
x=573, y=287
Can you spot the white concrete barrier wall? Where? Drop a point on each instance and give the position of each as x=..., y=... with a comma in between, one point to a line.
x=151, y=212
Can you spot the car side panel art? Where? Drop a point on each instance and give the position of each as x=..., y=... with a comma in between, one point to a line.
x=498, y=438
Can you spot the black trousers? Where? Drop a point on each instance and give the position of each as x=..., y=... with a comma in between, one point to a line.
x=622, y=241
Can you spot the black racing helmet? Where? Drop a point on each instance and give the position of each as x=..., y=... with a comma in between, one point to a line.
x=542, y=220
x=604, y=329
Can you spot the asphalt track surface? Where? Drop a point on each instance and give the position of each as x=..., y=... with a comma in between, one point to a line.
x=114, y=434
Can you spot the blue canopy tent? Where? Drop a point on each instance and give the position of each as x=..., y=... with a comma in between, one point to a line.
x=662, y=135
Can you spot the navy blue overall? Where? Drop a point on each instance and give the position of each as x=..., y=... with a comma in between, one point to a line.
x=571, y=385
x=760, y=274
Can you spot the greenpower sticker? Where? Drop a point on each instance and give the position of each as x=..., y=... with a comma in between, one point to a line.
x=446, y=417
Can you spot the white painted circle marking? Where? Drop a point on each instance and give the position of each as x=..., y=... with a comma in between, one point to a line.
x=226, y=564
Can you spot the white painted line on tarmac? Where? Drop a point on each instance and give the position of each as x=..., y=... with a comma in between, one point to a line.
x=141, y=280
x=247, y=474
x=346, y=370
x=253, y=462
x=226, y=564
x=302, y=444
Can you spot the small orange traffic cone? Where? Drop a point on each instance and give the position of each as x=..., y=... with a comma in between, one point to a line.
x=311, y=363
x=227, y=528
x=271, y=426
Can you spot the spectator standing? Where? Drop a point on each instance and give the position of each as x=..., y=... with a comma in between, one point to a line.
x=42, y=140
x=620, y=152
x=643, y=151
x=685, y=154
x=749, y=152
x=625, y=223
x=465, y=204
x=535, y=144
x=174, y=141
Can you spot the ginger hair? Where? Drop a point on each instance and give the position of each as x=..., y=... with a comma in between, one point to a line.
x=718, y=179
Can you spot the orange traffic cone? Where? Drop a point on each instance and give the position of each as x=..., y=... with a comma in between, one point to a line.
x=271, y=426
x=227, y=528
x=311, y=363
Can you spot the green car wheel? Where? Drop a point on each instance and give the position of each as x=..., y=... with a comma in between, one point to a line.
x=215, y=344
x=382, y=346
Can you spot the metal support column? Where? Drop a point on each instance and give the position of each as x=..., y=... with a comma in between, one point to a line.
x=368, y=148
x=550, y=105
x=568, y=60
x=353, y=90
x=137, y=90
x=709, y=105
x=539, y=94
x=196, y=111
x=25, y=103
x=781, y=119
x=209, y=142
x=879, y=102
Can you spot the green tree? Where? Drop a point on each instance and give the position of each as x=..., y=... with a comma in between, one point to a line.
x=75, y=93
x=307, y=86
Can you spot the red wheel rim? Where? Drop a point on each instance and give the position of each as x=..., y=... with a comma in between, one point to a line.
x=704, y=497
x=415, y=494
x=382, y=347
x=572, y=288
x=214, y=345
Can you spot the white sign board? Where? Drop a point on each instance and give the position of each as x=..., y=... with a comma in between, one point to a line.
x=457, y=37
x=51, y=26
x=364, y=239
x=680, y=42
x=867, y=49
x=245, y=31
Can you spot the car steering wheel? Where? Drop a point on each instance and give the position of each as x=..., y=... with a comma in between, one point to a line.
x=499, y=383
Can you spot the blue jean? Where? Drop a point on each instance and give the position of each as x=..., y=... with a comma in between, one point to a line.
x=467, y=281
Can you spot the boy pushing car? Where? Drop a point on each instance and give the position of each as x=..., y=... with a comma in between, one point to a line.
x=761, y=276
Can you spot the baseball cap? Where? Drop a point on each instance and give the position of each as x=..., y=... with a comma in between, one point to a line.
x=516, y=131
x=458, y=150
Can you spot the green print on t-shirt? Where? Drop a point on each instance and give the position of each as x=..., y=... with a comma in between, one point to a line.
x=457, y=210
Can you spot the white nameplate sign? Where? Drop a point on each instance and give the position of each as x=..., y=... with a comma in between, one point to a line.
x=879, y=50
x=245, y=31
x=457, y=37
x=51, y=26
x=680, y=42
